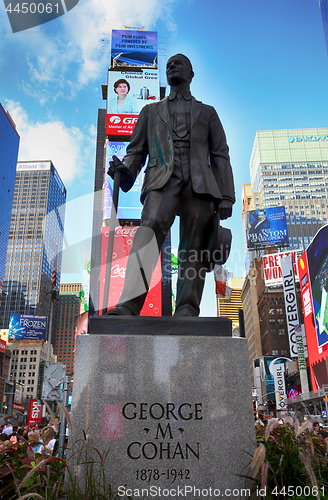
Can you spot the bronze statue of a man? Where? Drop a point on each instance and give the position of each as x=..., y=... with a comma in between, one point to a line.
x=188, y=174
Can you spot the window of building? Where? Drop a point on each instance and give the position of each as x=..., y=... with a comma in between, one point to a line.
x=280, y=321
x=281, y=331
x=279, y=310
x=300, y=242
x=271, y=311
x=274, y=352
x=272, y=321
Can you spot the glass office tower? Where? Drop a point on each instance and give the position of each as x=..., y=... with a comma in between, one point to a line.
x=290, y=168
x=9, y=144
x=35, y=237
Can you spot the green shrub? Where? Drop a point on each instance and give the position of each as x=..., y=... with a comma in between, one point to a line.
x=25, y=475
x=289, y=455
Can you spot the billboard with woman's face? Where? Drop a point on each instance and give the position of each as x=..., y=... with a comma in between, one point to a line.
x=128, y=92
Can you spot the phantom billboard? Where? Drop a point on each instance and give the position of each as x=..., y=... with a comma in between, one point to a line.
x=266, y=228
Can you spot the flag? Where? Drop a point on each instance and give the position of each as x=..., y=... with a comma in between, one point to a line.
x=221, y=278
x=54, y=278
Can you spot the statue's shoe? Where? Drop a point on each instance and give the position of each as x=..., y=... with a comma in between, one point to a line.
x=120, y=310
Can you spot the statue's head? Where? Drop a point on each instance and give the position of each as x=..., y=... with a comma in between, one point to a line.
x=179, y=70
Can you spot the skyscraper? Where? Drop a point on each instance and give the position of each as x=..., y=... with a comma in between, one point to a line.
x=290, y=168
x=324, y=14
x=9, y=143
x=35, y=236
x=68, y=309
x=229, y=308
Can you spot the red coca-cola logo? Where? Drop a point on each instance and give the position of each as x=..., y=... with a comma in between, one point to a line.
x=126, y=231
x=118, y=272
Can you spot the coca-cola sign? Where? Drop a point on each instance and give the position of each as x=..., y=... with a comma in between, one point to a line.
x=123, y=241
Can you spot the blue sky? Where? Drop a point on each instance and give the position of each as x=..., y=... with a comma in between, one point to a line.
x=261, y=64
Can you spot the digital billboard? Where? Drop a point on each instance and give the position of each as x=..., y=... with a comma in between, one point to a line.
x=129, y=205
x=24, y=326
x=122, y=245
x=128, y=92
x=313, y=273
x=317, y=257
x=134, y=48
x=266, y=228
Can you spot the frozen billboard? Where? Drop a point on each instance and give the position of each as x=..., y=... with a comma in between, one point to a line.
x=134, y=48
x=266, y=228
x=127, y=93
x=25, y=326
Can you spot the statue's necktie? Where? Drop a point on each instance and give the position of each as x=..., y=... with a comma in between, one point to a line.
x=181, y=128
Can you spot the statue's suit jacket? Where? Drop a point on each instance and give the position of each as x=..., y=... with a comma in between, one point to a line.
x=210, y=168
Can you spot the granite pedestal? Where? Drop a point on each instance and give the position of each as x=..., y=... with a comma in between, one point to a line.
x=171, y=398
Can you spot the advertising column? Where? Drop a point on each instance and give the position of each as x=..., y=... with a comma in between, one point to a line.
x=133, y=82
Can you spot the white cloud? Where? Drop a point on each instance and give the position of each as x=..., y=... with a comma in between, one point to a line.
x=79, y=40
x=70, y=149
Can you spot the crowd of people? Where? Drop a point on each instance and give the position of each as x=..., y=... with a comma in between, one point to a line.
x=42, y=439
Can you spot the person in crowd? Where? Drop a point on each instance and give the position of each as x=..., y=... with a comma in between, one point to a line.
x=3, y=437
x=23, y=432
x=318, y=430
x=8, y=429
x=47, y=436
x=35, y=441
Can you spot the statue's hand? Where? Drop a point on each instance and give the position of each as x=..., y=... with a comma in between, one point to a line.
x=225, y=209
x=126, y=179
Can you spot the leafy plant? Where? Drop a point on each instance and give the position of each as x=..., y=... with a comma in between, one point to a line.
x=23, y=472
x=25, y=475
x=289, y=455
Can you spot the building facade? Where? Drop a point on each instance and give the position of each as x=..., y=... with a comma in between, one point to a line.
x=98, y=209
x=287, y=168
x=6, y=387
x=290, y=168
x=25, y=361
x=35, y=238
x=68, y=310
x=9, y=144
x=230, y=308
